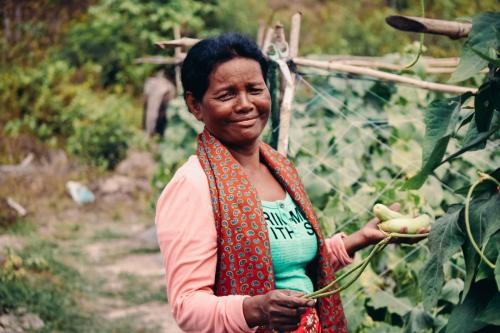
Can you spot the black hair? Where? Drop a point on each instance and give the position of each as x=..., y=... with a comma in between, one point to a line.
x=204, y=56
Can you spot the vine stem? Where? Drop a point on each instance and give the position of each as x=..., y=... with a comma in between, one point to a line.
x=422, y=13
x=482, y=177
x=361, y=266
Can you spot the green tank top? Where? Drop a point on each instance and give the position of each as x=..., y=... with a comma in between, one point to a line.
x=293, y=244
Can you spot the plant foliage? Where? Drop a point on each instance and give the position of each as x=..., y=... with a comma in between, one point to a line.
x=450, y=234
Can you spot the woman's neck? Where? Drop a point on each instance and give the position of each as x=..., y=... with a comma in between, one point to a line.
x=247, y=156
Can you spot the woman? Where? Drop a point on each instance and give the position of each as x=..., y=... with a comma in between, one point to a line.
x=238, y=234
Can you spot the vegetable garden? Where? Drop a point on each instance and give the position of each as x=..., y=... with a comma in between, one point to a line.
x=357, y=140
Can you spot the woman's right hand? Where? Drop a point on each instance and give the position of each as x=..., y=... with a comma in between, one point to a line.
x=279, y=309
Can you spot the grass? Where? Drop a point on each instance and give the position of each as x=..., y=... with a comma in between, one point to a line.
x=46, y=288
x=145, y=250
x=108, y=234
x=137, y=291
x=21, y=227
x=36, y=280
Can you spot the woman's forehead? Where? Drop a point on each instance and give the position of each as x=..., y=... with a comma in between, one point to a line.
x=235, y=70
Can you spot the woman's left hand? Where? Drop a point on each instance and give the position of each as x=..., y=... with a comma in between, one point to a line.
x=370, y=234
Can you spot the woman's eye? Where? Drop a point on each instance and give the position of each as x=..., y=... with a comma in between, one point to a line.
x=256, y=91
x=225, y=97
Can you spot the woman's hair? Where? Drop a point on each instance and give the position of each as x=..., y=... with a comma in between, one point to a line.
x=203, y=57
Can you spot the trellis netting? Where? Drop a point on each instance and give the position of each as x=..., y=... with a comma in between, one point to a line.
x=355, y=141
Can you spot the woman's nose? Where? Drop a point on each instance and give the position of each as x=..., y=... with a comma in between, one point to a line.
x=244, y=103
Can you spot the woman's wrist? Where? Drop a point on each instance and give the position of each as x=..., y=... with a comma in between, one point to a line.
x=356, y=241
x=252, y=311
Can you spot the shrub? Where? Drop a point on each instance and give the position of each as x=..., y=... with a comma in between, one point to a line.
x=102, y=136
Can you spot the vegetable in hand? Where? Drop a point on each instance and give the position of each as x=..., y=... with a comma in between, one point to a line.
x=394, y=225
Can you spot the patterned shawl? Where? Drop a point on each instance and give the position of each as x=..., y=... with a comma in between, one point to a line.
x=244, y=265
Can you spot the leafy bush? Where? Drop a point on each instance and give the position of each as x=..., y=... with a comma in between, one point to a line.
x=474, y=224
x=102, y=136
x=116, y=32
x=177, y=145
x=34, y=280
x=40, y=100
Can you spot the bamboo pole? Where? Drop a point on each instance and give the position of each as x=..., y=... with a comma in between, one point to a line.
x=430, y=61
x=178, y=53
x=289, y=91
x=395, y=67
x=279, y=37
x=260, y=33
x=159, y=60
x=452, y=29
x=177, y=42
x=441, y=62
x=295, y=35
x=267, y=40
x=333, y=66
x=368, y=63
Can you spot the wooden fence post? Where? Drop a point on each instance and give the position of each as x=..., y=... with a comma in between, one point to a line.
x=452, y=29
x=178, y=53
x=289, y=91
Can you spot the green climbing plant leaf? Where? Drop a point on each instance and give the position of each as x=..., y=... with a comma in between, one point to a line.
x=484, y=106
x=484, y=222
x=445, y=239
x=490, y=314
x=441, y=119
x=465, y=317
x=482, y=37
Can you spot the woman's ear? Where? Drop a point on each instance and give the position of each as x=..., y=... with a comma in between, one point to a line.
x=193, y=105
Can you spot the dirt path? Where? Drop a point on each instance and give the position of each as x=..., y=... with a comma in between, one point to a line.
x=110, y=242
x=130, y=274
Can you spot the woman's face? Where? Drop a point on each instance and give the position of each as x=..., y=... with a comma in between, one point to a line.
x=236, y=105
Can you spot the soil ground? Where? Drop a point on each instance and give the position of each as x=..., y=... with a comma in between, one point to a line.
x=109, y=242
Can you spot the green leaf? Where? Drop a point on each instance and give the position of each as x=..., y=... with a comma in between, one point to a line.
x=497, y=272
x=484, y=222
x=469, y=65
x=451, y=291
x=467, y=118
x=482, y=37
x=491, y=314
x=397, y=305
x=418, y=321
x=484, y=186
x=488, y=58
x=445, y=239
x=463, y=318
x=491, y=251
x=440, y=119
x=483, y=104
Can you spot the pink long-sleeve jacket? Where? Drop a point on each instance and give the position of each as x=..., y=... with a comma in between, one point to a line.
x=188, y=241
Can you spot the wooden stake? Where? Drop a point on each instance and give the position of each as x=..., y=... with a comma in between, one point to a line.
x=394, y=67
x=267, y=40
x=159, y=60
x=289, y=89
x=178, y=52
x=295, y=35
x=260, y=33
x=177, y=42
x=429, y=61
x=333, y=66
x=452, y=29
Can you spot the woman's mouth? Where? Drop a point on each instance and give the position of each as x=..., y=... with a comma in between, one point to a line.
x=246, y=122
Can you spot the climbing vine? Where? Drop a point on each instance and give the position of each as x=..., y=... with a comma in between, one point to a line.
x=474, y=225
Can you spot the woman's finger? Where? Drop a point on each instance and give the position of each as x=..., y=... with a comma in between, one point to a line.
x=283, y=312
x=295, y=302
x=395, y=206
